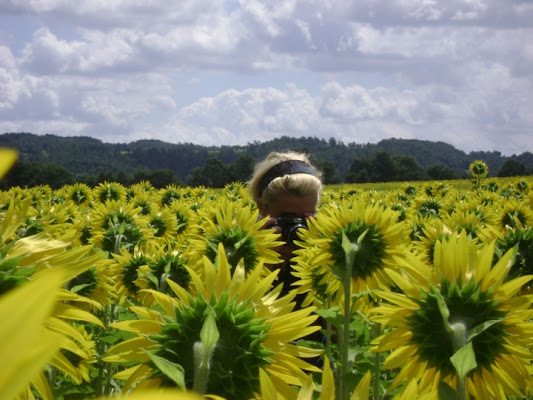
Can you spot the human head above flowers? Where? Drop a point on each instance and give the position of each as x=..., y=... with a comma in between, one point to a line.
x=286, y=183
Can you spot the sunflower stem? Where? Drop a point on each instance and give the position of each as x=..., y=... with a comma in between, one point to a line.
x=203, y=350
x=350, y=250
x=328, y=327
x=377, y=362
x=459, y=338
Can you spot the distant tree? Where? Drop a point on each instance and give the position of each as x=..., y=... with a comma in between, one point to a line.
x=439, y=173
x=161, y=178
x=359, y=171
x=213, y=174
x=122, y=178
x=30, y=174
x=512, y=168
x=382, y=168
x=242, y=169
x=407, y=169
x=329, y=171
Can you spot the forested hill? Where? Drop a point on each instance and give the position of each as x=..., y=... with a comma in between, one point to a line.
x=84, y=156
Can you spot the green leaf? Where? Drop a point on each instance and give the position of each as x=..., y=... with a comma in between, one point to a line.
x=77, y=288
x=173, y=371
x=446, y=392
x=464, y=360
x=209, y=334
x=330, y=313
x=482, y=327
x=444, y=312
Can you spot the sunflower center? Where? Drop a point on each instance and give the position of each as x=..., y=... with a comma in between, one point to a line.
x=172, y=267
x=429, y=208
x=239, y=352
x=468, y=305
x=182, y=221
x=369, y=257
x=169, y=196
x=130, y=273
x=159, y=225
x=237, y=244
x=109, y=193
x=84, y=283
x=510, y=218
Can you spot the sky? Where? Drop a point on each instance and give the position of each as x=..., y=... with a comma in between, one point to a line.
x=232, y=72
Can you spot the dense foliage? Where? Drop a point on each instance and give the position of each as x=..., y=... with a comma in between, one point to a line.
x=417, y=290
x=91, y=161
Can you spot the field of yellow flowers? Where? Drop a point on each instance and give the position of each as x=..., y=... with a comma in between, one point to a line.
x=415, y=290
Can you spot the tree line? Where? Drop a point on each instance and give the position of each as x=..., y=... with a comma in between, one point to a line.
x=380, y=167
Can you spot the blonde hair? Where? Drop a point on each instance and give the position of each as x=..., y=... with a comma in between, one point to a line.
x=301, y=184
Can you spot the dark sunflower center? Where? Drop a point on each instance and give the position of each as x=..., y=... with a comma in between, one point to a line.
x=510, y=217
x=467, y=304
x=238, y=355
x=237, y=244
x=370, y=254
x=145, y=207
x=121, y=236
x=84, y=283
x=109, y=193
x=429, y=208
x=130, y=274
x=182, y=221
x=79, y=196
x=172, y=267
x=159, y=225
x=523, y=264
x=85, y=235
x=469, y=228
x=169, y=196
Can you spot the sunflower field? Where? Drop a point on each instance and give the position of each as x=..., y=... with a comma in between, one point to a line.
x=415, y=290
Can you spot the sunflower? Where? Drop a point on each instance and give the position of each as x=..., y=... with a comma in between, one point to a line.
x=240, y=231
x=479, y=169
x=428, y=207
x=109, y=191
x=145, y=202
x=28, y=352
x=460, y=305
x=79, y=193
x=433, y=230
x=375, y=231
x=166, y=196
x=117, y=225
x=473, y=223
x=185, y=218
x=164, y=225
x=32, y=257
x=218, y=339
x=128, y=272
x=96, y=283
x=523, y=240
x=514, y=214
x=169, y=264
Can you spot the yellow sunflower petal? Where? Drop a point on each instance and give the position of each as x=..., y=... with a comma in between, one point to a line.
x=362, y=390
x=8, y=157
x=268, y=390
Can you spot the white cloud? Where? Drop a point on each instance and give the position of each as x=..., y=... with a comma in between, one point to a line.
x=452, y=70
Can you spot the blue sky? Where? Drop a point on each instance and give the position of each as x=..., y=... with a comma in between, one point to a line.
x=218, y=72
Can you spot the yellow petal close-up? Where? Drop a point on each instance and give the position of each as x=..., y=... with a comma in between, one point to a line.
x=7, y=159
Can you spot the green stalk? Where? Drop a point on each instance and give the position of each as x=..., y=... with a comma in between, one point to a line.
x=350, y=250
x=377, y=363
x=328, y=327
x=459, y=338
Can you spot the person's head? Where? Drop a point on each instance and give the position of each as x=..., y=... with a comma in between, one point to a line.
x=286, y=183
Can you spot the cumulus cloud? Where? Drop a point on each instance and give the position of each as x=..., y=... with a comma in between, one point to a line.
x=452, y=70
